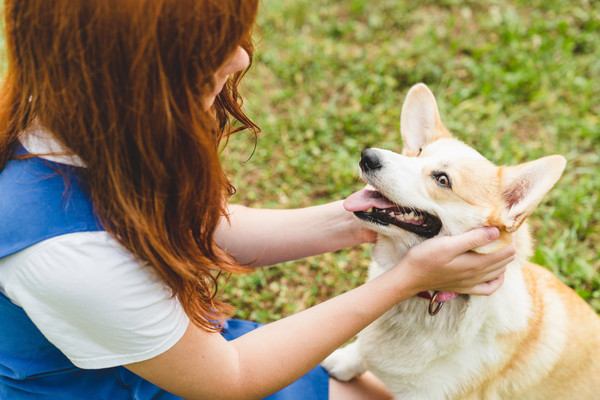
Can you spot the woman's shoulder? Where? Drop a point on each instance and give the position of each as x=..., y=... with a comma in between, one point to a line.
x=85, y=258
x=93, y=299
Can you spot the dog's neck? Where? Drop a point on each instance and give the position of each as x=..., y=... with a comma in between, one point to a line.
x=506, y=306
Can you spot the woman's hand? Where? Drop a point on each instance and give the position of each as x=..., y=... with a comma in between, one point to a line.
x=358, y=228
x=360, y=233
x=447, y=264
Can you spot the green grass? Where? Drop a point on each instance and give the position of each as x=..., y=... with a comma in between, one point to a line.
x=515, y=79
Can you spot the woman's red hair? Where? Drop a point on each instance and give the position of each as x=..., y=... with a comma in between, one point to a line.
x=120, y=83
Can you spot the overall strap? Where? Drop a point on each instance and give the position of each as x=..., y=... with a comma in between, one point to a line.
x=41, y=199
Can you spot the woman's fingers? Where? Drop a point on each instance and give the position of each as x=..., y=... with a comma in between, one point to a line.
x=494, y=268
x=494, y=272
x=498, y=256
x=470, y=240
x=447, y=262
x=486, y=261
x=482, y=280
x=487, y=288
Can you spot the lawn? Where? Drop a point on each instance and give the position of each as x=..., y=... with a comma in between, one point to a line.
x=515, y=79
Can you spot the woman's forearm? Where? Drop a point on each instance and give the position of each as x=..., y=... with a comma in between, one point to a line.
x=280, y=352
x=203, y=365
x=265, y=237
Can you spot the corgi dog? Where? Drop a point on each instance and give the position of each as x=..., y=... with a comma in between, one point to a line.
x=534, y=338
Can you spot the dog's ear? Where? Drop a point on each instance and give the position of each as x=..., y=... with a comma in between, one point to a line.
x=524, y=186
x=420, y=121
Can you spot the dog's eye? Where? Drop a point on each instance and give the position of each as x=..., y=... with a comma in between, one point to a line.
x=442, y=179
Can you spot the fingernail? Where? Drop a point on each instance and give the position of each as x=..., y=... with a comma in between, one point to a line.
x=492, y=232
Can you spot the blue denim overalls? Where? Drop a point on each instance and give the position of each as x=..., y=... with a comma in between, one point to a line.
x=35, y=204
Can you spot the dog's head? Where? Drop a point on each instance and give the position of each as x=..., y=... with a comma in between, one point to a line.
x=439, y=185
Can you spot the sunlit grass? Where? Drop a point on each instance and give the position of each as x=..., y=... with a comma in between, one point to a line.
x=517, y=80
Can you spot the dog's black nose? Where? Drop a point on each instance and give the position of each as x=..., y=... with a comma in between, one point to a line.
x=369, y=160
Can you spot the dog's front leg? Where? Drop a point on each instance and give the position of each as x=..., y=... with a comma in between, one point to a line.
x=345, y=363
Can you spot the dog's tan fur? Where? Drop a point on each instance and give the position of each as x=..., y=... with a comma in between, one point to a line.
x=574, y=375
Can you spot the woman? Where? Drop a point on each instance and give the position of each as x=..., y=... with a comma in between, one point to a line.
x=115, y=221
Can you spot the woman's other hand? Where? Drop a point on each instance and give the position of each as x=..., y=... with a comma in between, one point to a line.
x=448, y=264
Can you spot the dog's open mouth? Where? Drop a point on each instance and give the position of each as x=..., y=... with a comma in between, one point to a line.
x=372, y=206
x=416, y=221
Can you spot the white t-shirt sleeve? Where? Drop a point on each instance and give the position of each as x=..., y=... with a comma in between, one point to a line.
x=94, y=300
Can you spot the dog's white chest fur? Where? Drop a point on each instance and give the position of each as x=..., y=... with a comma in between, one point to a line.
x=419, y=356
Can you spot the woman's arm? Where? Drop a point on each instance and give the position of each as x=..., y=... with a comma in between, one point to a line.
x=265, y=237
x=204, y=366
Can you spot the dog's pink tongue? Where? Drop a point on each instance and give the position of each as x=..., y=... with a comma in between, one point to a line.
x=365, y=199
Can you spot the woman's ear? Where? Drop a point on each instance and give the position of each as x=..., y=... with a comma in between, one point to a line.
x=524, y=186
x=420, y=121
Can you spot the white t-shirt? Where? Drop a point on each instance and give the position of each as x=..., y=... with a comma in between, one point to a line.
x=88, y=295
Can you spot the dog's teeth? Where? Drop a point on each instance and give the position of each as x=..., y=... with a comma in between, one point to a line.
x=410, y=217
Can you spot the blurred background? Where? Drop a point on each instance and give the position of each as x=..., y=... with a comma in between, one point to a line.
x=517, y=80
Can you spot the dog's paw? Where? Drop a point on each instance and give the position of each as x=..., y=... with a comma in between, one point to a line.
x=345, y=363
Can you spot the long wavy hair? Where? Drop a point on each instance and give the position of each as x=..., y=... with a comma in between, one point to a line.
x=120, y=83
